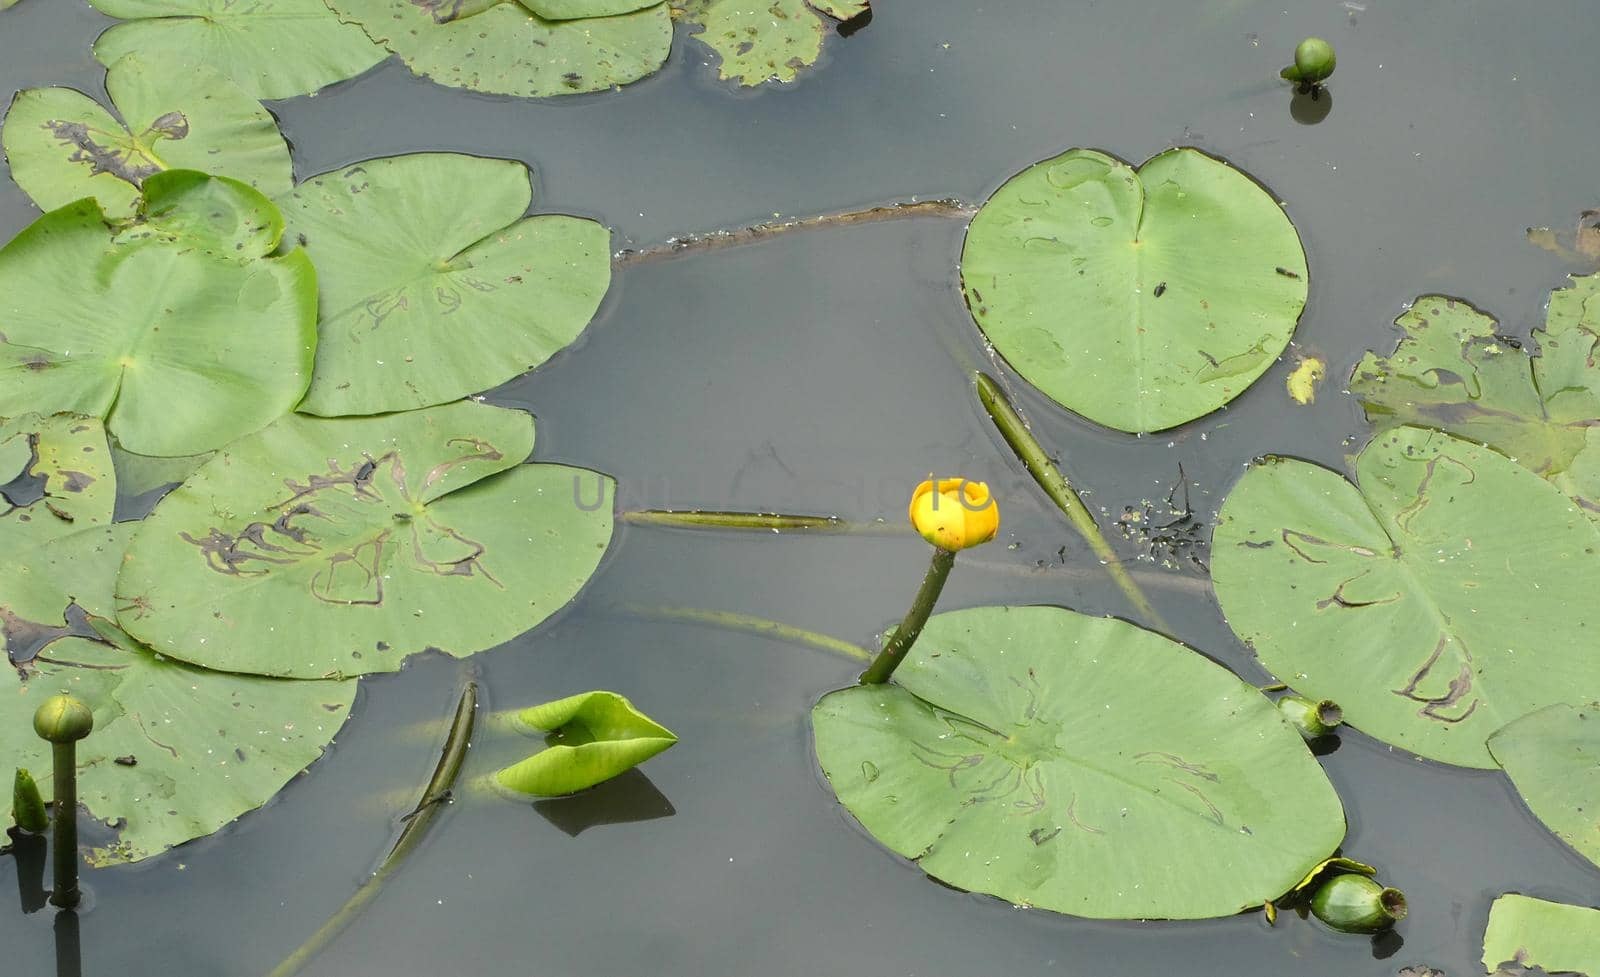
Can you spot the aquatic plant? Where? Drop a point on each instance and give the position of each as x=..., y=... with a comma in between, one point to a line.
x=334, y=547
x=1314, y=61
x=62, y=146
x=27, y=806
x=592, y=737
x=61, y=721
x=1354, y=903
x=433, y=285
x=1445, y=593
x=1312, y=719
x=1553, y=936
x=1140, y=299
x=270, y=48
x=1551, y=756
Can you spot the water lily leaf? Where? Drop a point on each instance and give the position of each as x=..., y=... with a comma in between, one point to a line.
x=180, y=351
x=318, y=547
x=1140, y=299
x=270, y=48
x=63, y=146
x=187, y=209
x=1535, y=933
x=758, y=40
x=1079, y=764
x=594, y=736
x=1553, y=759
x=579, y=9
x=1447, y=593
x=842, y=9
x=1453, y=371
x=433, y=284
x=176, y=752
x=57, y=493
x=505, y=48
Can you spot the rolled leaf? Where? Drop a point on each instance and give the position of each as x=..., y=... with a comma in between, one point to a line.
x=594, y=737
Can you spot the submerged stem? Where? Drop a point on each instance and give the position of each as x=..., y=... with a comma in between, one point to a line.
x=948, y=207
x=910, y=629
x=776, y=521
x=1044, y=471
x=434, y=795
x=748, y=624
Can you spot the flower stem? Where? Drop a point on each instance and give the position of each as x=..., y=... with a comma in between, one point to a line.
x=774, y=521
x=749, y=624
x=910, y=629
x=64, y=892
x=434, y=796
x=1044, y=471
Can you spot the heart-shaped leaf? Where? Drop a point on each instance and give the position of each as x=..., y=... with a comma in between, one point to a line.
x=1140, y=299
x=1079, y=764
x=176, y=752
x=1553, y=759
x=758, y=40
x=1550, y=935
x=1447, y=593
x=1453, y=371
x=336, y=547
x=270, y=48
x=178, y=349
x=503, y=47
x=433, y=284
x=593, y=737
x=63, y=146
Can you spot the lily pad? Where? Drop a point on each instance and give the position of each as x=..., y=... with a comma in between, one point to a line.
x=1535, y=933
x=434, y=285
x=758, y=40
x=192, y=210
x=1553, y=759
x=337, y=547
x=594, y=736
x=1448, y=593
x=63, y=146
x=177, y=752
x=179, y=350
x=57, y=493
x=503, y=47
x=271, y=48
x=1079, y=764
x=1453, y=371
x=1139, y=299
x=139, y=474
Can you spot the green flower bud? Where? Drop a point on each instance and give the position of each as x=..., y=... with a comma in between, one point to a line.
x=63, y=719
x=27, y=807
x=1357, y=904
x=1313, y=719
x=1314, y=60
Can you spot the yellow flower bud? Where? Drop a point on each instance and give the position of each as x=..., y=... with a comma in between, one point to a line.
x=954, y=514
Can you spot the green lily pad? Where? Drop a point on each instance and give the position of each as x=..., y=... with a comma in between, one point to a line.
x=177, y=752
x=1079, y=764
x=271, y=48
x=503, y=47
x=593, y=737
x=1448, y=594
x=758, y=40
x=138, y=474
x=434, y=285
x=1139, y=299
x=337, y=547
x=59, y=543
x=1535, y=933
x=1553, y=759
x=63, y=146
x=1454, y=372
x=842, y=9
x=179, y=350
x=192, y=210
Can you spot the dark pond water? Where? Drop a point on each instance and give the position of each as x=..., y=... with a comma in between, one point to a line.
x=823, y=371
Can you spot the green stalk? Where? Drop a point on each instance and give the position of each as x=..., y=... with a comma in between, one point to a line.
x=1044, y=471
x=733, y=520
x=64, y=892
x=434, y=796
x=748, y=624
x=910, y=629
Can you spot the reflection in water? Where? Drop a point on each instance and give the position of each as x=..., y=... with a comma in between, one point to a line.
x=29, y=850
x=623, y=799
x=1309, y=108
x=1386, y=944
x=69, y=949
